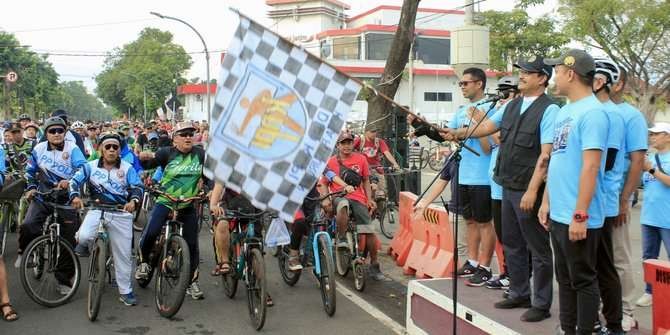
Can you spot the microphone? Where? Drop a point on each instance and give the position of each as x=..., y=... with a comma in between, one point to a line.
x=493, y=98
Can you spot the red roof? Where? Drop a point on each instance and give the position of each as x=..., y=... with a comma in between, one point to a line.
x=195, y=89
x=379, y=27
x=398, y=8
x=282, y=2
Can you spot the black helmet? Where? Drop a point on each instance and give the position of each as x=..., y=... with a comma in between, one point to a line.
x=54, y=121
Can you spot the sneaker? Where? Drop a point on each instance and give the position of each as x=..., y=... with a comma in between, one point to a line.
x=498, y=283
x=480, y=277
x=142, y=272
x=294, y=263
x=342, y=243
x=195, y=292
x=376, y=272
x=628, y=323
x=535, y=315
x=81, y=250
x=17, y=264
x=128, y=299
x=644, y=301
x=509, y=303
x=466, y=271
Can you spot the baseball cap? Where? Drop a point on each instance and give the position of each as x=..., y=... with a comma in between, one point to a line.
x=345, y=137
x=24, y=117
x=15, y=126
x=32, y=124
x=578, y=60
x=534, y=64
x=184, y=125
x=660, y=127
x=60, y=113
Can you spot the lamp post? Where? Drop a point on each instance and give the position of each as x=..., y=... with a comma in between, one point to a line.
x=209, y=107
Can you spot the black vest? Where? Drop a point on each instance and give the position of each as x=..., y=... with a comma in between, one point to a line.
x=520, y=144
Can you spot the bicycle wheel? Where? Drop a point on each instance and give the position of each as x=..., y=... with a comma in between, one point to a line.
x=229, y=280
x=342, y=261
x=4, y=228
x=387, y=219
x=39, y=271
x=256, y=289
x=359, y=276
x=435, y=163
x=327, y=278
x=173, y=277
x=96, y=278
x=289, y=277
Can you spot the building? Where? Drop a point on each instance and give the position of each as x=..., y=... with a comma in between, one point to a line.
x=359, y=46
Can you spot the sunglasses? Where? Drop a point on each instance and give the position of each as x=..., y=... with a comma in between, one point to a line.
x=112, y=146
x=464, y=83
x=186, y=134
x=54, y=131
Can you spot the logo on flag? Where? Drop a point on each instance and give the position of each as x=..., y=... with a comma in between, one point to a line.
x=277, y=115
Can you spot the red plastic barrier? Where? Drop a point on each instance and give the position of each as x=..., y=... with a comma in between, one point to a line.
x=402, y=240
x=657, y=274
x=431, y=254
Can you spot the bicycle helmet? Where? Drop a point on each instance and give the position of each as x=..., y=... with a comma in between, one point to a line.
x=78, y=125
x=508, y=82
x=608, y=68
x=54, y=121
x=24, y=116
x=109, y=135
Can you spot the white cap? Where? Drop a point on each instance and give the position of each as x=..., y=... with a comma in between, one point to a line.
x=660, y=127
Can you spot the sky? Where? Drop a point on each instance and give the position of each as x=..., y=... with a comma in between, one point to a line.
x=89, y=28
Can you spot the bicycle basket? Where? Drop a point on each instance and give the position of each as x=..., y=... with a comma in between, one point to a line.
x=13, y=190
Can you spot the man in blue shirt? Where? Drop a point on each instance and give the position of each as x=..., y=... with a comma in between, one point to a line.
x=574, y=193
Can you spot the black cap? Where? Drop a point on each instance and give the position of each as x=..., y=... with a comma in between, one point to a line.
x=60, y=113
x=578, y=60
x=534, y=64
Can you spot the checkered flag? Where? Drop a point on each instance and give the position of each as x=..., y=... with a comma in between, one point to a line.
x=276, y=118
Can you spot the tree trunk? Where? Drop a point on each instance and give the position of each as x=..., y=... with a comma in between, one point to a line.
x=645, y=99
x=379, y=109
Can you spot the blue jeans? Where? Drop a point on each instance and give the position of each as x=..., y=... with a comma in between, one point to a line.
x=651, y=244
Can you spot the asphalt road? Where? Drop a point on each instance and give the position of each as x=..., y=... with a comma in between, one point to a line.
x=297, y=310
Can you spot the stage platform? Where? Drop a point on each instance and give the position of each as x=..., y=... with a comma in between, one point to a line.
x=429, y=311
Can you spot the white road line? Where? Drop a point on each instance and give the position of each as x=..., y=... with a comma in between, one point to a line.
x=372, y=310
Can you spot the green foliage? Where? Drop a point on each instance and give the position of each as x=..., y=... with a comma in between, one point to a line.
x=81, y=105
x=513, y=35
x=151, y=62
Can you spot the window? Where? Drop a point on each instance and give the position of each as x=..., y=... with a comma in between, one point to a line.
x=433, y=50
x=347, y=47
x=437, y=96
x=378, y=46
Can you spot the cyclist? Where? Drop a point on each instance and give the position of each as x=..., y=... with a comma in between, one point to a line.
x=24, y=120
x=113, y=182
x=373, y=148
x=300, y=228
x=349, y=171
x=52, y=164
x=182, y=170
x=30, y=131
x=70, y=135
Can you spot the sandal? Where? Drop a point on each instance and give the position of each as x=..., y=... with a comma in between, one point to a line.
x=269, y=302
x=221, y=269
x=10, y=315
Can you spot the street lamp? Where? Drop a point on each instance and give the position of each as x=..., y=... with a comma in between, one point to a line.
x=209, y=107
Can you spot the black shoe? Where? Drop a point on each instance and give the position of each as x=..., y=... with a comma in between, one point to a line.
x=466, y=271
x=535, y=315
x=509, y=303
x=480, y=277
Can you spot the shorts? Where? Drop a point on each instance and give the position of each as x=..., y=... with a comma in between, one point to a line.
x=475, y=202
x=359, y=212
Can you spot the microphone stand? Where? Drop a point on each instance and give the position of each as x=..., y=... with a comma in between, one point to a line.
x=456, y=158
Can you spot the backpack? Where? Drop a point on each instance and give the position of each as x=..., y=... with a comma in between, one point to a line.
x=362, y=145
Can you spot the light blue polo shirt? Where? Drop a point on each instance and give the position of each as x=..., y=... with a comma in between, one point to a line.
x=616, y=139
x=473, y=169
x=656, y=204
x=636, y=137
x=579, y=126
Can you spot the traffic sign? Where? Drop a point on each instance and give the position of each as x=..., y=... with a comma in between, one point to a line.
x=12, y=76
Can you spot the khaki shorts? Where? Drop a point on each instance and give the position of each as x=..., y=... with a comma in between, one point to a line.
x=359, y=212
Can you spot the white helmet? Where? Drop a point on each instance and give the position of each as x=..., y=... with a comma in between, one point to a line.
x=78, y=125
x=608, y=68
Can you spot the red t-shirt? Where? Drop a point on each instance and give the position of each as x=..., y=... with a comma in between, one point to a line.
x=370, y=150
x=356, y=162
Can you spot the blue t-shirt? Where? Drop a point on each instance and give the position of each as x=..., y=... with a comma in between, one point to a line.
x=496, y=190
x=615, y=140
x=655, y=207
x=546, y=125
x=636, y=136
x=579, y=126
x=473, y=169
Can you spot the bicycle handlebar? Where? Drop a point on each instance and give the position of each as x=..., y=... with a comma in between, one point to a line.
x=334, y=194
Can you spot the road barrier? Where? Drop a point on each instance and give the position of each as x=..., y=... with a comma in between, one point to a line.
x=657, y=274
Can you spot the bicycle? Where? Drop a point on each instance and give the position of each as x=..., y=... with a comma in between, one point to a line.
x=9, y=209
x=171, y=252
x=148, y=203
x=317, y=251
x=246, y=262
x=351, y=258
x=101, y=264
x=385, y=211
x=438, y=157
x=46, y=255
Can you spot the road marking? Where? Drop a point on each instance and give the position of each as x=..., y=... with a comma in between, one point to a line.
x=372, y=310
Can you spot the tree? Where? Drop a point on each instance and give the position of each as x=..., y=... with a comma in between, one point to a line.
x=379, y=108
x=81, y=105
x=149, y=64
x=633, y=33
x=514, y=35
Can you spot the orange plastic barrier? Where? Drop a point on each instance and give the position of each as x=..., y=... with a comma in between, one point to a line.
x=657, y=274
x=431, y=253
x=402, y=240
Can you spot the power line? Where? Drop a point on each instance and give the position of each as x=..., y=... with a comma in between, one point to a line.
x=81, y=26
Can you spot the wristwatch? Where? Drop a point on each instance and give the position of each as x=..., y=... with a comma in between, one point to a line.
x=580, y=216
x=652, y=171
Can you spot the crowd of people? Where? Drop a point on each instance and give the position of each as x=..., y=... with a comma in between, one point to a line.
x=558, y=183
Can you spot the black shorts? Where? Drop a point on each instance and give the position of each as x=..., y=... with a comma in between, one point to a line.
x=475, y=202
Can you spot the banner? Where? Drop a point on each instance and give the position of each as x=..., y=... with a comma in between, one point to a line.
x=276, y=118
